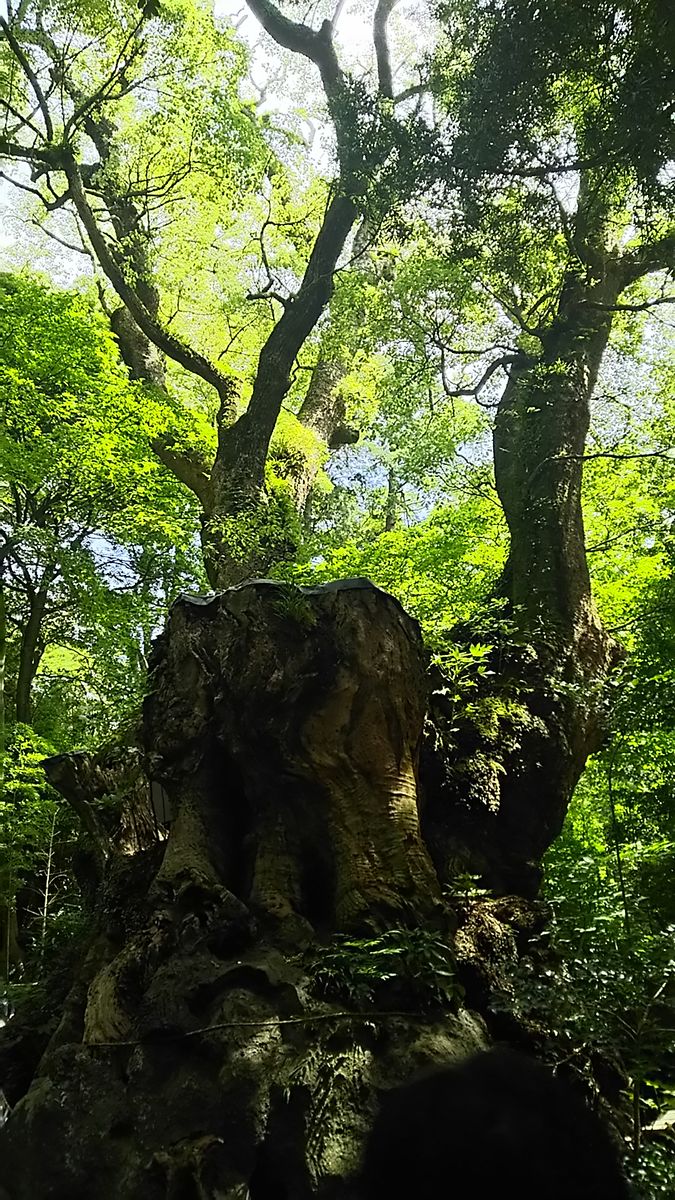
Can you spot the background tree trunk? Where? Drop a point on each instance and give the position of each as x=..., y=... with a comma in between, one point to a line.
x=30, y=651
x=539, y=442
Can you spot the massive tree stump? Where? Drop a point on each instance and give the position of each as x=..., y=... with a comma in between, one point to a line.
x=196, y=1055
x=236, y=1011
x=285, y=727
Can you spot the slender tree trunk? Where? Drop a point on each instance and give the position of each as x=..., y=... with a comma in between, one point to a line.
x=46, y=893
x=242, y=536
x=10, y=943
x=30, y=652
x=3, y=677
x=391, y=507
x=12, y=956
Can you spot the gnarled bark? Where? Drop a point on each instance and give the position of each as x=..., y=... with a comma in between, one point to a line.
x=197, y=1056
x=197, y=1053
x=312, y=730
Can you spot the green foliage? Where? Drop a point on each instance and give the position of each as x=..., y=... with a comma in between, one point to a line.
x=294, y=448
x=608, y=983
x=73, y=435
x=441, y=568
x=413, y=965
x=544, y=152
x=521, y=74
x=88, y=516
x=261, y=533
x=651, y=1172
x=37, y=836
x=384, y=158
x=28, y=802
x=292, y=605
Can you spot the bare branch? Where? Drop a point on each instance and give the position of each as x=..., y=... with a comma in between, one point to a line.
x=24, y=122
x=120, y=64
x=669, y=453
x=62, y=241
x=269, y=294
x=50, y=205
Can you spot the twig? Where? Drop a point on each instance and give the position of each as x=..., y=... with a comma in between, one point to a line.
x=263, y=1024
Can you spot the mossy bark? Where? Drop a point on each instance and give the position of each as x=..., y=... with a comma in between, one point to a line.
x=197, y=1054
x=494, y=801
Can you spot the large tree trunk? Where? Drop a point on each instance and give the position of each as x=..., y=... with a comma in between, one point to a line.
x=539, y=443
x=197, y=1054
x=502, y=767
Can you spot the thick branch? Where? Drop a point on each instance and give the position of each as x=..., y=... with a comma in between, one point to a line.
x=30, y=76
x=504, y=361
x=296, y=323
x=195, y=475
x=648, y=258
x=316, y=45
x=190, y=359
x=409, y=93
x=67, y=773
x=644, y=306
x=30, y=154
x=668, y=453
x=382, y=14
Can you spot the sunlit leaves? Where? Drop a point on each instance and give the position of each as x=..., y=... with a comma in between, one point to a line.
x=86, y=510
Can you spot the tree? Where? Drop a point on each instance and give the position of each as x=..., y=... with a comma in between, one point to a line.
x=561, y=262
x=59, y=97
x=305, y=935
x=79, y=486
x=88, y=520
